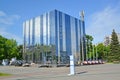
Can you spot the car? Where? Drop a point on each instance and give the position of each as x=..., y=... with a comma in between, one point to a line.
x=18, y=63
x=89, y=62
x=85, y=63
x=93, y=62
x=96, y=62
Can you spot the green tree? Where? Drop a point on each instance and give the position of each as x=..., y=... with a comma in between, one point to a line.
x=103, y=51
x=8, y=48
x=2, y=47
x=107, y=51
x=11, y=49
x=114, y=48
x=89, y=39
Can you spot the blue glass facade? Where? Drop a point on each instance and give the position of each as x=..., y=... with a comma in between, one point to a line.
x=55, y=28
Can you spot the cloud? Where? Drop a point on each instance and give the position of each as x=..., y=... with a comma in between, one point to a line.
x=6, y=19
x=2, y=13
x=103, y=22
x=10, y=36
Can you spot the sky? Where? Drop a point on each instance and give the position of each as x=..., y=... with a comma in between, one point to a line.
x=101, y=16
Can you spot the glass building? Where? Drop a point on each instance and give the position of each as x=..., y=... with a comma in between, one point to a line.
x=55, y=28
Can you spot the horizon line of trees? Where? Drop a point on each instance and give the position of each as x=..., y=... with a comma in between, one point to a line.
x=110, y=53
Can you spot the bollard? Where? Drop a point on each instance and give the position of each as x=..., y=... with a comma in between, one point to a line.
x=72, y=66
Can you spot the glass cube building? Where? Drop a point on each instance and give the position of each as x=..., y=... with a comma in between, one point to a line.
x=55, y=28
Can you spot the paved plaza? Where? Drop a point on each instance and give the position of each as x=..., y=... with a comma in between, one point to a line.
x=90, y=72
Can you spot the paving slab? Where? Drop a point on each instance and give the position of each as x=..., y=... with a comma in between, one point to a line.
x=89, y=72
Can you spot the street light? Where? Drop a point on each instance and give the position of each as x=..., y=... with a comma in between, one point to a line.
x=82, y=36
x=96, y=53
x=86, y=51
x=93, y=53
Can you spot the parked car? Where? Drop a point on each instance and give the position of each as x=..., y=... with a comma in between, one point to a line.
x=85, y=63
x=89, y=62
x=18, y=63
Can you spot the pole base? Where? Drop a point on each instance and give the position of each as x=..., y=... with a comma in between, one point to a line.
x=71, y=74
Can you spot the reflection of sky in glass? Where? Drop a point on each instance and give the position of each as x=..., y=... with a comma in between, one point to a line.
x=55, y=28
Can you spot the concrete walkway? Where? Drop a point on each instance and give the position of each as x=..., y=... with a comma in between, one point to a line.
x=91, y=72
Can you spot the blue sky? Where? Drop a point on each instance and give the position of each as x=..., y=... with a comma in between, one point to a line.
x=101, y=16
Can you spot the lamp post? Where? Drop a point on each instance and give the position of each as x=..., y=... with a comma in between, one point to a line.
x=86, y=51
x=89, y=51
x=83, y=37
x=93, y=54
x=96, y=53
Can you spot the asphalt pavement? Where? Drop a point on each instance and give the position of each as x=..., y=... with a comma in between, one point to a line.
x=89, y=72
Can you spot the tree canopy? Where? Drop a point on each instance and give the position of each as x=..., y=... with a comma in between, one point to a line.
x=114, y=54
x=103, y=51
x=8, y=48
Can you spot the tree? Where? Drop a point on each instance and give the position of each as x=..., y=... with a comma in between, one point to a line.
x=2, y=47
x=114, y=48
x=102, y=51
x=8, y=48
x=89, y=39
x=11, y=49
x=20, y=52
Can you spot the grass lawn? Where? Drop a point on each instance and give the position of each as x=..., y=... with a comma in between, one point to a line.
x=4, y=74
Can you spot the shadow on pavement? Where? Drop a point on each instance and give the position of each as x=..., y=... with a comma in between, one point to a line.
x=82, y=72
